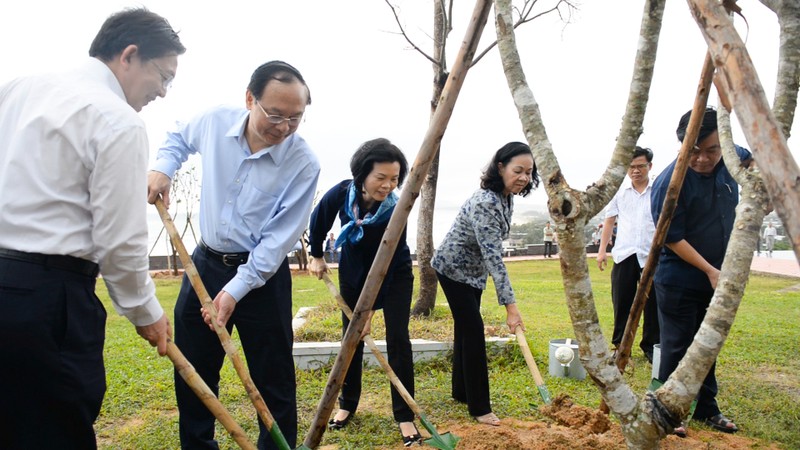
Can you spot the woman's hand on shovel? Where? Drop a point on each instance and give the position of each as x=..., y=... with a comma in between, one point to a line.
x=157, y=334
x=513, y=318
x=225, y=304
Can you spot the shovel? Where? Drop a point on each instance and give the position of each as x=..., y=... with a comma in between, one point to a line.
x=444, y=441
x=537, y=377
x=222, y=333
x=204, y=393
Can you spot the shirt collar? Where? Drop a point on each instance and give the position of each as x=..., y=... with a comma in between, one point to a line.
x=627, y=184
x=277, y=152
x=101, y=72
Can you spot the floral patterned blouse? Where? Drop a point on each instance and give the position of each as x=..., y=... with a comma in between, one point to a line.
x=473, y=248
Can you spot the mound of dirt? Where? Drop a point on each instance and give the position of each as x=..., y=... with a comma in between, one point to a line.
x=577, y=417
x=515, y=434
x=580, y=427
x=166, y=274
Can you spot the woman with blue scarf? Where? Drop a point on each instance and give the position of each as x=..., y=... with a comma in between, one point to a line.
x=364, y=206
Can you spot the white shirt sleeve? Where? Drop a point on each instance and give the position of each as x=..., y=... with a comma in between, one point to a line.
x=120, y=223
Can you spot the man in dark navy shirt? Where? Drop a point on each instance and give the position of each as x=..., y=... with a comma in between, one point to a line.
x=690, y=262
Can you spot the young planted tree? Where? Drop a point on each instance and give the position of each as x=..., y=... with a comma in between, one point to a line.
x=647, y=419
x=442, y=25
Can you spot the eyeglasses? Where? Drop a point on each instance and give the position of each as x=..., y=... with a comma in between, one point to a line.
x=638, y=167
x=166, y=80
x=277, y=120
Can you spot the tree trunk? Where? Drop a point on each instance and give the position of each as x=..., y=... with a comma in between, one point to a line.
x=428, y=283
x=764, y=136
x=643, y=422
x=788, y=82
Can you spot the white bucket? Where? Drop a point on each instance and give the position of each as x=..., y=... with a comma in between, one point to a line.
x=656, y=360
x=575, y=368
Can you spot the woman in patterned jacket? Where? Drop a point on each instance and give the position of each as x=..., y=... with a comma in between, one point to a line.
x=473, y=249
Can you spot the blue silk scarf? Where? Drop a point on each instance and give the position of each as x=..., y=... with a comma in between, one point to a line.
x=353, y=231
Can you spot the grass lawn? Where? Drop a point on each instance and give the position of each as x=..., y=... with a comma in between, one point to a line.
x=758, y=370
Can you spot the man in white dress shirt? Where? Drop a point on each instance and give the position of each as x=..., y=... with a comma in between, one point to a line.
x=73, y=163
x=630, y=207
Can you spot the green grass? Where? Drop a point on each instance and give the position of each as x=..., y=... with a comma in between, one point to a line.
x=757, y=369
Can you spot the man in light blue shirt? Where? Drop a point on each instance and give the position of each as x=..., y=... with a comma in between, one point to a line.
x=259, y=180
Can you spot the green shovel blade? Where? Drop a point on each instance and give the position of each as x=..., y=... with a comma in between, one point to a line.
x=444, y=441
x=545, y=394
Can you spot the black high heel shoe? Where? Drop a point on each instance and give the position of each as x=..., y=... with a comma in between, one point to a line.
x=339, y=424
x=415, y=438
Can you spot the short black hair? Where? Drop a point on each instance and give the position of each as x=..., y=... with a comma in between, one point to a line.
x=148, y=31
x=643, y=151
x=491, y=178
x=708, y=126
x=275, y=70
x=378, y=150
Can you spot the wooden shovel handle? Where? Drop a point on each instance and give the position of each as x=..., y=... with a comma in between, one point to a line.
x=375, y=350
x=204, y=393
x=526, y=352
x=208, y=306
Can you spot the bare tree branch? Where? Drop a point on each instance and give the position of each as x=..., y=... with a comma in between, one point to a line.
x=788, y=81
x=525, y=16
x=410, y=42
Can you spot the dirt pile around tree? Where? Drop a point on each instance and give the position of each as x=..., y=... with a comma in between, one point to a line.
x=580, y=427
x=566, y=413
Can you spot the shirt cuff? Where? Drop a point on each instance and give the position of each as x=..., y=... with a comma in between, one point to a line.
x=166, y=167
x=237, y=288
x=147, y=314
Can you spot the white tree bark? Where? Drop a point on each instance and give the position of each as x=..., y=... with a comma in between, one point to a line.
x=571, y=209
x=764, y=136
x=643, y=423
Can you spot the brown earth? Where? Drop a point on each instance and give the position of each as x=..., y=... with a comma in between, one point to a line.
x=579, y=427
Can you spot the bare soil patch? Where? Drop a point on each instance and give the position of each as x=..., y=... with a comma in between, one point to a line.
x=579, y=427
x=166, y=274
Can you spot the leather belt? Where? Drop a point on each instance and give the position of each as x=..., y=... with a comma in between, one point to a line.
x=62, y=262
x=229, y=259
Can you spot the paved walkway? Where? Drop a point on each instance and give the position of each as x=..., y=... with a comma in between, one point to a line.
x=775, y=266
x=761, y=264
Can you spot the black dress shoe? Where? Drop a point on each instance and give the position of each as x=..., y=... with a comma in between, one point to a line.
x=408, y=441
x=339, y=424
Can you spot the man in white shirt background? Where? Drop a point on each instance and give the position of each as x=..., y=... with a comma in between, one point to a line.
x=769, y=238
x=630, y=208
x=73, y=162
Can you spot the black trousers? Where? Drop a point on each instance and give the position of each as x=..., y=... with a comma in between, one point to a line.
x=548, y=248
x=681, y=311
x=470, y=379
x=52, y=330
x=396, y=311
x=625, y=277
x=263, y=319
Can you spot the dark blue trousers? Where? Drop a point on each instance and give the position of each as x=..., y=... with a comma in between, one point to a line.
x=470, y=379
x=680, y=313
x=263, y=320
x=52, y=330
x=396, y=311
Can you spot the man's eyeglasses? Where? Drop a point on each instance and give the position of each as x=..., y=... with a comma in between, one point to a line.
x=166, y=80
x=638, y=167
x=277, y=120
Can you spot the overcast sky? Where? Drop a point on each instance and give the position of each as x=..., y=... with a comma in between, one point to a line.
x=367, y=82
